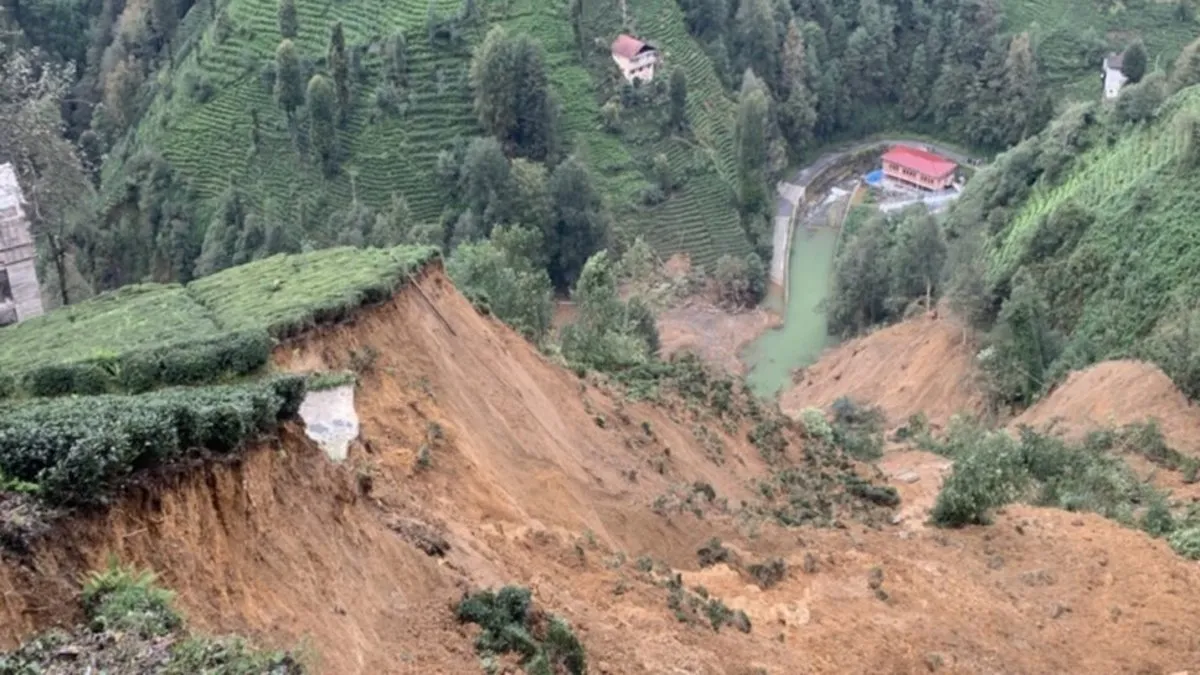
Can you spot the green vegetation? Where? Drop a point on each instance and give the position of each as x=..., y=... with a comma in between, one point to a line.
x=1087, y=245
x=992, y=468
x=509, y=623
x=145, y=336
x=132, y=626
x=77, y=449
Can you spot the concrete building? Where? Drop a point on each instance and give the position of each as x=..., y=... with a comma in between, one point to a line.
x=922, y=169
x=20, y=294
x=636, y=59
x=1114, y=79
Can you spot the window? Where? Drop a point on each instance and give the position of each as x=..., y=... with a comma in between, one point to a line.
x=5, y=287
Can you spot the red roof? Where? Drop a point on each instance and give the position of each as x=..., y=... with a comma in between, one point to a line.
x=920, y=161
x=627, y=46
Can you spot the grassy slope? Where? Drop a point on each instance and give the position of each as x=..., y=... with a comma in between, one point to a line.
x=1058, y=25
x=209, y=142
x=279, y=294
x=1140, y=260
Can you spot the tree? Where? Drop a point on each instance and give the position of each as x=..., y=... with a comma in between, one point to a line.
x=512, y=94
x=758, y=42
x=512, y=287
x=120, y=91
x=1186, y=71
x=966, y=288
x=289, y=24
x=916, y=85
x=322, y=110
x=339, y=67
x=917, y=257
x=608, y=334
x=1022, y=346
x=164, y=14
x=394, y=226
x=224, y=231
x=579, y=225
x=59, y=198
x=289, y=87
x=859, y=295
x=751, y=145
x=1139, y=102
x=1021, y=101
x=663, y=174
x=530, y=202
x=741, y=282
x=798, y=114
x=484, y=183
x=1133, y=61
x=395, y=59
x=705, y=18
x=678, y=93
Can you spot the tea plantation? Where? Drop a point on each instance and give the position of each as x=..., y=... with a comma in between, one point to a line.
x=72, y=430
x=146, y=336
x=205, y=111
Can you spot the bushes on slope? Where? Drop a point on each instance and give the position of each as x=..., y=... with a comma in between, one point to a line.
x=76, y=449
x=509, y=624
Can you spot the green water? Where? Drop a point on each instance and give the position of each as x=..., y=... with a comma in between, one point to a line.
x=771, y=358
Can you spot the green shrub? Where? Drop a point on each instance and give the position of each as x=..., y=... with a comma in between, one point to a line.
x=1186, y=542
x=76, y=448
x=858, y=429
x=121, y=598
x=769, y=573
x=992, y=475
x=816, y=427
x=228, y=656
x=505, y=620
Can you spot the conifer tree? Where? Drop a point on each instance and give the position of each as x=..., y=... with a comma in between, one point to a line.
x=1133, y=62
x=322, y=111
x=678, y=94
x=798, y=114
x=751, y=145
x=339, y=67
x=289, y=88
x=289, y=24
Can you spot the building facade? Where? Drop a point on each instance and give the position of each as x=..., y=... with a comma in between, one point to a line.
x=1114, y=77
x=636, y=59
x=20, y=294
x=919, y=168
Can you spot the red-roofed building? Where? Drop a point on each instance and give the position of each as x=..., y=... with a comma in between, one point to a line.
x=636, y=59
x=918, y=167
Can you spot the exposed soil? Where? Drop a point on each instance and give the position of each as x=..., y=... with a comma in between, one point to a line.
x=918, y=365
x=714, y=334
x=529, y=481
x=1115, y=393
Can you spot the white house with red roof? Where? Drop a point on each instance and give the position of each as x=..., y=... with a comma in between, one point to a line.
x=636, y=59
x=918, y=167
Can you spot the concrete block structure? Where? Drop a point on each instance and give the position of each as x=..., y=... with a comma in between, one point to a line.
x=636, y=59
x=918, y=168
x=20, y=293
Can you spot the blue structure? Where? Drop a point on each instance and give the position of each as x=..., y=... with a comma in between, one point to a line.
x=875, y=177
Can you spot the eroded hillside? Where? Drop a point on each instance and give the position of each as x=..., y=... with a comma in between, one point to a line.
x=482, y=463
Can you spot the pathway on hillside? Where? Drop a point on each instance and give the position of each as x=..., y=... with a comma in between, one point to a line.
x=792, y=192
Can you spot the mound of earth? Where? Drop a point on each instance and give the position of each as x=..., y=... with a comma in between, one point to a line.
x=1116, y=393
x=716, y=335
x=918, y=365
x=482, y=463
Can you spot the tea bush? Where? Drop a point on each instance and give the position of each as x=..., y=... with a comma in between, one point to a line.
x=75, y=449
x=508, y=626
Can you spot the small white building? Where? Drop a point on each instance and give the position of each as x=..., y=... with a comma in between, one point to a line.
x=20, y=295
x=636, y=59
x=1114, y=79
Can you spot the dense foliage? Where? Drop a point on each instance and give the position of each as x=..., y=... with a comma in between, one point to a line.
x=993, y=468
x=77, y=449
x=510, y=624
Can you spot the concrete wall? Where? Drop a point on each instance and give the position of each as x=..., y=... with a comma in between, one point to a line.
x=17, y=252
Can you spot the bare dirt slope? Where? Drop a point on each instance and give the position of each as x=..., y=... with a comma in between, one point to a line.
x=536, y=478
x=716, y=335
x=918, y=365
x=1115, y=393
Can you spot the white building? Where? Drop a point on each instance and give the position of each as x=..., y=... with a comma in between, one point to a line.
x=20, y=295
x=1114, y=79
x=636, y=59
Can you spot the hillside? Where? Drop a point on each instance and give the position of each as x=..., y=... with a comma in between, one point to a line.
x=525, y=486
x=1072, y=36
x=1092, y=218
x=208, y=140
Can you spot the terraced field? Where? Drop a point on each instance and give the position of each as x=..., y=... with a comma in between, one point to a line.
x=1059, y=28
x=210, y=142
